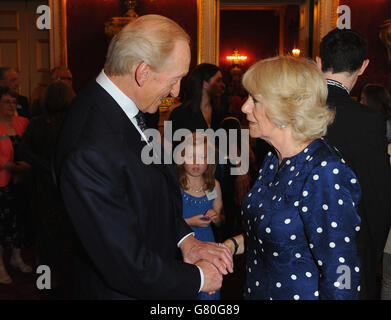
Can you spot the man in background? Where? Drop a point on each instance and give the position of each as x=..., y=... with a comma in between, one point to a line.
x=360, y=135
x=10, y=78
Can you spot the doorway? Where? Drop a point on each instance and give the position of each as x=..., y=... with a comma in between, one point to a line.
x=23, y=46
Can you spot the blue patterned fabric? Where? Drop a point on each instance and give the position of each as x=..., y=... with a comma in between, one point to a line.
x=193, y=206
x=301, y=227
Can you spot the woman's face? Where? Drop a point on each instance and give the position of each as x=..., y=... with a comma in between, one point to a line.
x=259, y=124
x=215, y=85
x=7, y=105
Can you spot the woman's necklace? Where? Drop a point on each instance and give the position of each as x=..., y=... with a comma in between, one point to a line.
x=196, y=190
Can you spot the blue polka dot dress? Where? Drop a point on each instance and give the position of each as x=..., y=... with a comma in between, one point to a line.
x=301, y=225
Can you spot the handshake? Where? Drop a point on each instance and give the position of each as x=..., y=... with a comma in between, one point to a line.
x=214, y=259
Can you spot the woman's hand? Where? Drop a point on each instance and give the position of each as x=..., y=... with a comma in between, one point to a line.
x=230, y=245
x=200, y=221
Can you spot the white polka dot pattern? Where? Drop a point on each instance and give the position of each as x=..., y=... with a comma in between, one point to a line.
x=309, y=199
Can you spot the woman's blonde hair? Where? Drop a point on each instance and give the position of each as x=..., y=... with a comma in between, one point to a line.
x=150, y=38
x=195, y=139
x=294, y=91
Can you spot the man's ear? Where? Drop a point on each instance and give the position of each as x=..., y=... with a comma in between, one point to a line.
x=363, y=67
x=318, y=62
x=142, y=73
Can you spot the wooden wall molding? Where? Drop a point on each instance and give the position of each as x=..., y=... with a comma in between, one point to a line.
x=325, y=20
x=208, y=19
x=208, y=15
x=58, y=33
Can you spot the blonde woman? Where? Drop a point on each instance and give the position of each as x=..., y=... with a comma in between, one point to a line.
x=300, y=216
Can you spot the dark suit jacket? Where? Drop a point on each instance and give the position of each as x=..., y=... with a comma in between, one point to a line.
x=360, y=135
x=127, y=215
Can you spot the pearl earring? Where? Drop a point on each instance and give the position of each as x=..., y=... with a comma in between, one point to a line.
x=283, y=126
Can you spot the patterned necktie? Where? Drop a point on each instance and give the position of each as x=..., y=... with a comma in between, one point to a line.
x=141, y=121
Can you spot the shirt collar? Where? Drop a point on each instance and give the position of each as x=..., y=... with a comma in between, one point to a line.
x=126, y=104
x=338, y=84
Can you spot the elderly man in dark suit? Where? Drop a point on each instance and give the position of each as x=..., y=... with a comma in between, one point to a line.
x=127, y=214
x=360, y=135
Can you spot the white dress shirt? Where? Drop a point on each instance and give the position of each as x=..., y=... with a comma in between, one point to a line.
x=131, y=110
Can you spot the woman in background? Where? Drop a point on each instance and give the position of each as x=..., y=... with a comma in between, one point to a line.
x=39, y=145
x=202, y=108
x=378, y=98
x=11, y=234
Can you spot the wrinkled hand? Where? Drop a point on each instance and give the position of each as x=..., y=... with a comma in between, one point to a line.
x=230, y=245
x=194, y=250
x=213, y=279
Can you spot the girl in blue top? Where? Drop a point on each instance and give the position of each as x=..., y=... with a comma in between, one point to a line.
x=201, y=194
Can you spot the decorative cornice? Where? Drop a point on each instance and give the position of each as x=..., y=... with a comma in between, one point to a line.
x=247, y=6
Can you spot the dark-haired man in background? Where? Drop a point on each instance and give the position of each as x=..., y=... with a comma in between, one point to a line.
x=359, y=134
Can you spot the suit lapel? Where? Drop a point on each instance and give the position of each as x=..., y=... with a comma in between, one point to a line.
x=122, y=125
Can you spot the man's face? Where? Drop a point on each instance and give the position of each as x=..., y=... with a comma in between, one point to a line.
x=63, y=75
x=11, y=80
x=166, y=82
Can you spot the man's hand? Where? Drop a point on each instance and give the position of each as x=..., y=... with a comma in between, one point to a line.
x=213, y=279
x=219, y=255
x=22, y=166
